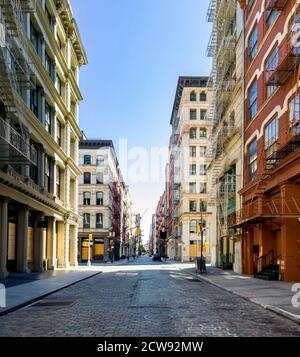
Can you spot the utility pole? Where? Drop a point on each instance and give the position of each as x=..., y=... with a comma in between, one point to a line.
x=201, y=237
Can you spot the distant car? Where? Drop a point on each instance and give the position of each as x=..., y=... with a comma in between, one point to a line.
x=156, y=257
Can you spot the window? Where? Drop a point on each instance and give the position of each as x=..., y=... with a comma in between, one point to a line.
x=253, y=159
x=193, y=206
x=294, y=110
x=34, y=38
x=58, y=132
x=193, y=114
x=48, y=118
x=49, y=65
x=192, y=151
x=87, y=178
x=86, y=198
x=203, y=133
x=253, y=100
x=86, y=220
x=202, y=151
x=271, y=65
x=193, y=226
x=99, y=178
x=193, y=169
x=203, y=187
x=203, y=114
x=47, y=173
x=87, y=160
x=271, y=137
x=100, y=160
x=99, y=198
x=99, y=220
x=59, y=85
x=271, y=16
x=193, y=133
x=203, y=206
x=253, y=43
x=34, y=102
x=193, y=97
x=58, y=182
x=202, y=169
x=192, y=187
x=203, y=97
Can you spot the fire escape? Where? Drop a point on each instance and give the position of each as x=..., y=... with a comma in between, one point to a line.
x=277, y=74
x=222, y=48
x=16, y=77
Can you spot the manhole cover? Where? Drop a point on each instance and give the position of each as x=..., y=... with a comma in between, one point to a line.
x=53, y=303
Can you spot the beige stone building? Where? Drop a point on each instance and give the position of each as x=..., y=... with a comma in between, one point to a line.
x=40, y=57
x=225, y=151
x=101, y=200
x=187, y=194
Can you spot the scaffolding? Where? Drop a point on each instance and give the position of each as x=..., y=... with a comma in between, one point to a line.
x=16, y=76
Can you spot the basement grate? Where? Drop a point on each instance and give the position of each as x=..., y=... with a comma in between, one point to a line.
x=53, y=304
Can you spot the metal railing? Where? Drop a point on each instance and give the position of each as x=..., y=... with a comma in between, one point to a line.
x=19, y=144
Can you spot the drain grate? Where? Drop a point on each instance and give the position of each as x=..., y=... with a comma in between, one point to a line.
x=53, y=304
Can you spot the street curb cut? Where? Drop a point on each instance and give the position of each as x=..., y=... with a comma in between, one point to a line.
x=41, y=297
x=271, y=308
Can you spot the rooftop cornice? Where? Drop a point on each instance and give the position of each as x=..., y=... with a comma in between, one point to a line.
x=64, y=10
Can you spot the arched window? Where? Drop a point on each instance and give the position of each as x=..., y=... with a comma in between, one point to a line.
x=193, y=96
x=86, y=220
x=86, y=198
x=99, y=198
x=193, y=133
x=203, y=97
x=193, y=226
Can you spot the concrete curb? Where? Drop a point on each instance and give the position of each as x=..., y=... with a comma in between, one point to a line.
x=271, y=308
x=41, y=297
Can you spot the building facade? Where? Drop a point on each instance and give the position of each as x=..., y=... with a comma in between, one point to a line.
x=271, y=192
x=101, y=201
x=225, y=152
x=187, y=195
x=40, y=57
x=160, y=226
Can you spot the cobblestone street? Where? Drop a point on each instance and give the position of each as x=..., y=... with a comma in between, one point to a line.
x=144, y=299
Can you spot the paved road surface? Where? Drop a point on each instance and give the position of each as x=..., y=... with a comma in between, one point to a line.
x=144, y=299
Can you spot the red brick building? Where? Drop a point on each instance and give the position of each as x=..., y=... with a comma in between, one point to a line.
x=270, y=218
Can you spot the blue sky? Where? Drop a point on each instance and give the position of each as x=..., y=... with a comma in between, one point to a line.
x=136, y=51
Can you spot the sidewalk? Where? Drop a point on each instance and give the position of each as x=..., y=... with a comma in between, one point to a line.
x=275, y=296
x=41, y=285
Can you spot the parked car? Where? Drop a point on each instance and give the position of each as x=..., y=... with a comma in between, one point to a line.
x=156, y=257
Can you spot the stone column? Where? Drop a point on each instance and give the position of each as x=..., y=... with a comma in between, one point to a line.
x=38, y=246
x=22, y=239
x=51, y=243
x=74, y=245
x=3, y=236
x=67, y=245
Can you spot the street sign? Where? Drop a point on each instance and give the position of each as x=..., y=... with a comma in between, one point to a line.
x=90, y=238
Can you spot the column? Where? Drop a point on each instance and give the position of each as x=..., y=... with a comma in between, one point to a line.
x=41, y=166
x=3, y=236
x=51, y=243
x=74, y=245
x=38, y=245
x=67, y=245
x=22, y=239
x=60, y=244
